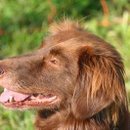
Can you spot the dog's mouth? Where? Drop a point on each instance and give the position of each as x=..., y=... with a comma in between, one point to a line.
x=18, y=100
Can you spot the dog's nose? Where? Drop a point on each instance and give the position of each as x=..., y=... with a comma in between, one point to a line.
x=1, y=70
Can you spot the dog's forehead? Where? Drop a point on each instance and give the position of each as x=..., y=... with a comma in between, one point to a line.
x=68, y=45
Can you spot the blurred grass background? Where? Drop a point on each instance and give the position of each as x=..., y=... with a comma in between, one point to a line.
x=24, y=24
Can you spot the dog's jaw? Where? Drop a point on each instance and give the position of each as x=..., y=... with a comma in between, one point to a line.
x=17, y=100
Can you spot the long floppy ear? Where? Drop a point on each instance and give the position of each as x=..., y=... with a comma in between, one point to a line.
x=100, y=82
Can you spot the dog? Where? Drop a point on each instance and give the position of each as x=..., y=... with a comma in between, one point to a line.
x=75, y=81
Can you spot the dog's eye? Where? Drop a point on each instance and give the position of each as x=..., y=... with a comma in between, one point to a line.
x=54, y=61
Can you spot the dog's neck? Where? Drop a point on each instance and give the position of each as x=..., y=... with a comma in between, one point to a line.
x=46, y=113
x=55, y=120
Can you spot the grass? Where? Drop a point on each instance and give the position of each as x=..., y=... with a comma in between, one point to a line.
x=16, y=120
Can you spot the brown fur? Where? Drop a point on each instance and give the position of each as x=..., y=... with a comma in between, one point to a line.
x=83, y=70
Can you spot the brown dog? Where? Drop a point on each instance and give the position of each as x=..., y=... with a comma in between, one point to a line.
x=75, y=81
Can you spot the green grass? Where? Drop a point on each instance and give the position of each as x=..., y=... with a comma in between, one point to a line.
x=16, y=120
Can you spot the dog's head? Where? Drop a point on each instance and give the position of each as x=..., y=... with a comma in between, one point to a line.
x=73, y=69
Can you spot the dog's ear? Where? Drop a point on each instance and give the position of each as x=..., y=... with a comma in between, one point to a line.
x=99, y=83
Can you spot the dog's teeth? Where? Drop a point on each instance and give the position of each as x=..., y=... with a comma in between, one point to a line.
x=11, y=99
x=32, y=97
x=40, y=96
x=52, y=98
x=5, y=90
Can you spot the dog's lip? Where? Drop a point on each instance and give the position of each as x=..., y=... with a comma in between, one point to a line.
x=18, y=100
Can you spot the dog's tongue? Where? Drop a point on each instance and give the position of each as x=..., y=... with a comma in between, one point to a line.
x=7, y=94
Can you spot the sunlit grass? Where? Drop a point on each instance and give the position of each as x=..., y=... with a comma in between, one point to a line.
x=16, y=120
